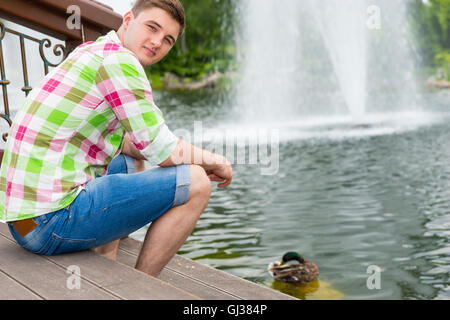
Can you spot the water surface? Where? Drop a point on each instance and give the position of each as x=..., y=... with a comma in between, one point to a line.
x=346, y=196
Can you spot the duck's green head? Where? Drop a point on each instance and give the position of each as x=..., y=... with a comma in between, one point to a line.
x=292, y=256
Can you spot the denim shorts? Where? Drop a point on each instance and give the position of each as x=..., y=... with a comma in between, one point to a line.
x=109, y=208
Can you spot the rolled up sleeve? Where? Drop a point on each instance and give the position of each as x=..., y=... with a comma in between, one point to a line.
x=124, y=85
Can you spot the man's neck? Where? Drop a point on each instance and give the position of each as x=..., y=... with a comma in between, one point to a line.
x=120, y=34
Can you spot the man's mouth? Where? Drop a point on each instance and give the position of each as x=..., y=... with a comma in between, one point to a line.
x=150, y=52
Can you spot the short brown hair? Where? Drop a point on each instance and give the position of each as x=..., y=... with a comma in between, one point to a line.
x=172, y=7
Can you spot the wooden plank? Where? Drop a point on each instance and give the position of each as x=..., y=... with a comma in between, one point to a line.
x=180, y=281
x=4, y=230
x=42, y=276
x=233, y=285
x=117, y=279
x=12, y=290
x=181, y=273
x=122, y=280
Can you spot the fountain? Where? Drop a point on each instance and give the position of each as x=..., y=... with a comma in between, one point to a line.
x=270, y=66
x=343, y=27
x=331, y=65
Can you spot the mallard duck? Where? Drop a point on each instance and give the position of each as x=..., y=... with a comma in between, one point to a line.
x=293, y=268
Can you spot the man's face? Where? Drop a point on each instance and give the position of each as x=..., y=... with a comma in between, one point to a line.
x=150, y=35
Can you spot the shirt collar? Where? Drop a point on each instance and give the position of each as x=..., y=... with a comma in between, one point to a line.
x=112, y=36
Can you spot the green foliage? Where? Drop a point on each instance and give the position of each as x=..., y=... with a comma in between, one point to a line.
x=208, y=42
x=155, y=80
x=431, y=24
x=441, y=10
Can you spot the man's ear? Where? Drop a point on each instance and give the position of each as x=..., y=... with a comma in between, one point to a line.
x=127, y=17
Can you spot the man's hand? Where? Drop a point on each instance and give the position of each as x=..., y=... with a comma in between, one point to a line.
x=129, y=149
x=220, y=174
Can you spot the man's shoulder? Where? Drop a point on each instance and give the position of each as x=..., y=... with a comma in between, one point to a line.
x=103, y=49
x=106, y=46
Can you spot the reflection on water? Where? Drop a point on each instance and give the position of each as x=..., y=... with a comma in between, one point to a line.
x=345, y=204
x=316, y=290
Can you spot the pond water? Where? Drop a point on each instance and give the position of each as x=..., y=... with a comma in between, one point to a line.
x=345, y=196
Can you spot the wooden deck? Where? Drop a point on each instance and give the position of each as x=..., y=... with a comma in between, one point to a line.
x=24, y=275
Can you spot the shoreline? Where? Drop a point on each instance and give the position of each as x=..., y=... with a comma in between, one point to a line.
x=438, y=84
x=222, y=81
x=212, y=81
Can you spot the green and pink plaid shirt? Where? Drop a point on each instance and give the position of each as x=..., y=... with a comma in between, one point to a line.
x=72, y=124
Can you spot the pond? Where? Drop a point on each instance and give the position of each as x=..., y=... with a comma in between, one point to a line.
x=346, y=197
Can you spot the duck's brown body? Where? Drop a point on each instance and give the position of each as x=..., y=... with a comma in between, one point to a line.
x=295, y=273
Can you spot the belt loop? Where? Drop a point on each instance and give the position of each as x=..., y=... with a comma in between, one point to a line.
x=68, y=209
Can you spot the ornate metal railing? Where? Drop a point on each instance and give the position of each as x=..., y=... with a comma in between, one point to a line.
x=50, y=18
x=58, y=50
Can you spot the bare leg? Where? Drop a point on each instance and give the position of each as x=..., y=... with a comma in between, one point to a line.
x=109, y=250
x=169, y=232
x=139, y=165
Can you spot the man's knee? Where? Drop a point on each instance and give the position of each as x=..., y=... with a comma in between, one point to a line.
x=200, y=183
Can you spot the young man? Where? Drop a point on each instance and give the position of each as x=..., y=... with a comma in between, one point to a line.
x=68, y=179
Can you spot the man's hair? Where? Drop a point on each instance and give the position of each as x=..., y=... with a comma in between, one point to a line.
x=172, y=7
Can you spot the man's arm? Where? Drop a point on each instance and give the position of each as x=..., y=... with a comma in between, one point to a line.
x=217, y=167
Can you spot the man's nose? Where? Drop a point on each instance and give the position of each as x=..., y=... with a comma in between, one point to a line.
x=156, y=42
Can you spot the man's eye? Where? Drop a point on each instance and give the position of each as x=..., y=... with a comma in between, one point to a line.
x=153, y=28
x=168, y=41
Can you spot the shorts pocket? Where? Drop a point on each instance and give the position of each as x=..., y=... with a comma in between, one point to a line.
x=35, y=240
x=64, y=245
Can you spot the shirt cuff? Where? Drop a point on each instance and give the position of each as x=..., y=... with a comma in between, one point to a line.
x=162, y=146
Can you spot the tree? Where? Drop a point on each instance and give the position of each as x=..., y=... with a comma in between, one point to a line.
x=208, y=42
x=431, y=24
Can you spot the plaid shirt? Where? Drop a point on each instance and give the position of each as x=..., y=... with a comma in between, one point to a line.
x=72, y=125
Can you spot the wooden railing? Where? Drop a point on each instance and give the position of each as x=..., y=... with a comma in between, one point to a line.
x=50, y=18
